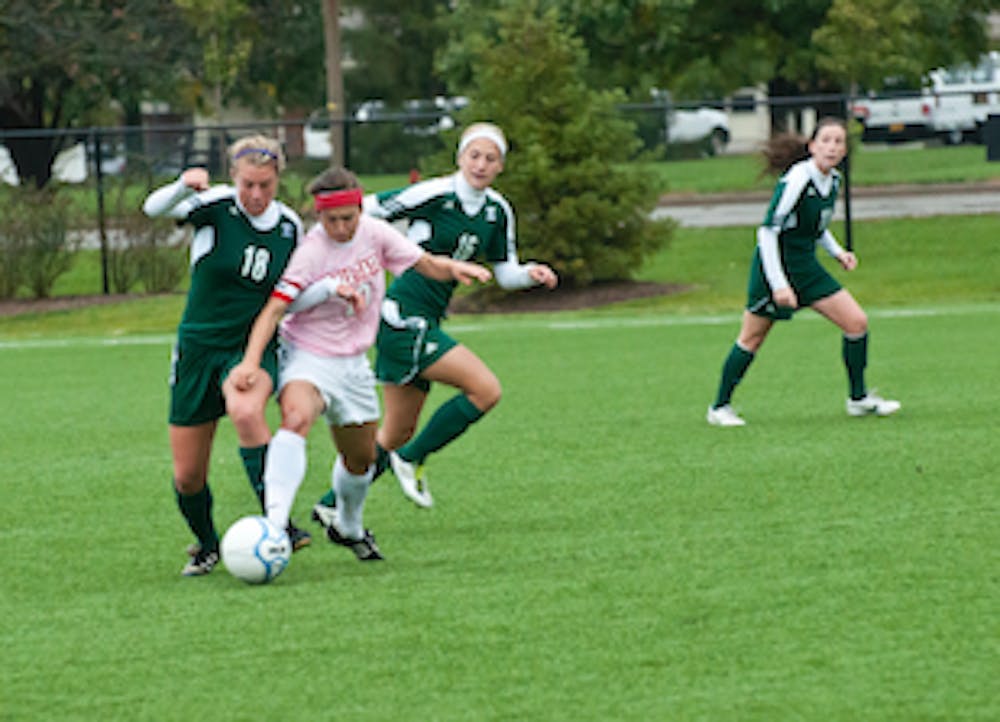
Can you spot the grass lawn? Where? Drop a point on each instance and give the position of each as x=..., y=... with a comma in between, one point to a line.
x=596, y=551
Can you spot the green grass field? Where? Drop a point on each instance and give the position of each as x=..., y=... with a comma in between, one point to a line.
x=596, y=552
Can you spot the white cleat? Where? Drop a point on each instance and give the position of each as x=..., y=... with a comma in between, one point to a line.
x=412, y=480
x=324, y=515
x=872, y=404
x=724, y=416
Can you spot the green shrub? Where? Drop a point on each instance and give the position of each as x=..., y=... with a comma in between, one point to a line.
x=580, y=206
x=36, y=247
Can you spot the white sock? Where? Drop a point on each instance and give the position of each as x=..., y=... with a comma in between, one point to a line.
x=351, y=490
x=284, y=470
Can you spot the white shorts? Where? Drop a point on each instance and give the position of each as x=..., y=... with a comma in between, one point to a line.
x=346, y=383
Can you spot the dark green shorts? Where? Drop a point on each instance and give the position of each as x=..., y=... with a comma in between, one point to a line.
x=196, y=376
x=406, y=350
x=810, y=281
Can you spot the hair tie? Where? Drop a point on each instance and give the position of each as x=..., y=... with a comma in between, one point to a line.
x=336, y=199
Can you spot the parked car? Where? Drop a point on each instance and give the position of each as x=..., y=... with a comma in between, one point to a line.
x=692, y=126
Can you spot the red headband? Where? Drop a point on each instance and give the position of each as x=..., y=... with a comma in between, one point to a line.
x=335, y=199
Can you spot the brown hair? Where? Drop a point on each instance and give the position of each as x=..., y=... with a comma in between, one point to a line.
x=335, y=178
x=784, y=150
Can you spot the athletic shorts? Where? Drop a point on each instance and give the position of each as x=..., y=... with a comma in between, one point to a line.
x=407, y=345
x=196, y=377
x=345, y=383
x=810, y=281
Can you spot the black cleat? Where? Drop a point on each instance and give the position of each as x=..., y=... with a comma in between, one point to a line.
x=365, y=548
x=300, y=538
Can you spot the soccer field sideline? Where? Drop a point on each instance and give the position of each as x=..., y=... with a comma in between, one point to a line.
x=521, y=323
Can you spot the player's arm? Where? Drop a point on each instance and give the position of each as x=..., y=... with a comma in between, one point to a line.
x=245, y=373
x=512, y=274
x=171, y=200
x=847, y=259
x=442, y=268
x=323, y=290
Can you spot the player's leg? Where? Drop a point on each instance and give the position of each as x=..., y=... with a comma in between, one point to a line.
x=479, y=392
x=352, y=475
x=191, y=448
x=753, y=331
x=843, y=310
x=301, y=404
x=246, y=410
x=402, y=406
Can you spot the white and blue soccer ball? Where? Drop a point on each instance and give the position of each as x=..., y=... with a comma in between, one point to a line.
x=255, y=550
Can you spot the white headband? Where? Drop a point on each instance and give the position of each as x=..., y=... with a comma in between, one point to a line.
x=488, y=134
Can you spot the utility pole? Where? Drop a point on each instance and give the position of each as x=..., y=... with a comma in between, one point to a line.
x=335, y=108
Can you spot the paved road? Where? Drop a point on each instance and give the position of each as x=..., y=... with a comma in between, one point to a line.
x=866, y=203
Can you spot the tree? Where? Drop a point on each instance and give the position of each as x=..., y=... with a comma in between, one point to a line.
x=579, y=206
x=63, y=61
x=393, y=49
x=868, y=42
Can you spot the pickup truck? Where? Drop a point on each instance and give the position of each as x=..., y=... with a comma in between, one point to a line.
x=894, y=118
x=952, y=105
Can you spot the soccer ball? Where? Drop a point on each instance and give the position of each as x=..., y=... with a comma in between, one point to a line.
x=255, y=550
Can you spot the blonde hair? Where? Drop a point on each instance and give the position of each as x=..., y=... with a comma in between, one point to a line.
x=257, y=150
x=488, y=131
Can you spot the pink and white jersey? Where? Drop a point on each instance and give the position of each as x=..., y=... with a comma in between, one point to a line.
x=332, y=328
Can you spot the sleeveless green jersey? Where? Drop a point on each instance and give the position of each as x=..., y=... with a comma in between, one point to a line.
x=440, y=224
x=235, y=262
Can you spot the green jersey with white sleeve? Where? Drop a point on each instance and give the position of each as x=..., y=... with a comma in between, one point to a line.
x=236, y=259
x=446, y=217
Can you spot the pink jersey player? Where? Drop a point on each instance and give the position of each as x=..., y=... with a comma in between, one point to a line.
x=335, y=284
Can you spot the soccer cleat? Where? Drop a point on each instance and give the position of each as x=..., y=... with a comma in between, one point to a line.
x=202, y=563
x=300, y=538
x=412, y=480
x=323, y=514
x=872, y=404
x=365, y=548
x=724, y=416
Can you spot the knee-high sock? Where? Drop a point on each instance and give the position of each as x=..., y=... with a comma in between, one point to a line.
x=351, y=490
x=736, y=364
x=855, y=354
x=253, y=464
x=283, y=474
x=381, y=464
x=197, y=512
x=448, y=423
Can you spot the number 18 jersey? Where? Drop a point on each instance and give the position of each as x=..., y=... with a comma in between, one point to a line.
x=235, y=262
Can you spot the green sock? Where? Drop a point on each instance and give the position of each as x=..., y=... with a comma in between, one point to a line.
x=737, y=363
x=381, y=461
x=855, y=353
x=253, y=463
x=448, y=423
x=197, y=511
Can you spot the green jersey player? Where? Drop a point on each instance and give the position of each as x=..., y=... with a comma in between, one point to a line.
x=462, y=217
x=785, y=274
x=242, y=241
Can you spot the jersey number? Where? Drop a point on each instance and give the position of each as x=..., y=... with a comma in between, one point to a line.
x=255, y=263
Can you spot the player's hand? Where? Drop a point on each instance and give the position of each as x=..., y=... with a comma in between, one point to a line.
x=786, y=297
x=465, y=272
x=195, y=179
x=848, y=260
x=244, y=375
x=353, y=296
x=543, y=275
